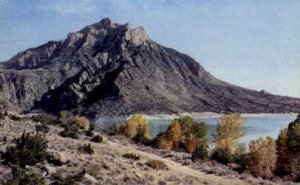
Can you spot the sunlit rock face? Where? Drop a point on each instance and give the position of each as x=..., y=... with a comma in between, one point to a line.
x=110, y=69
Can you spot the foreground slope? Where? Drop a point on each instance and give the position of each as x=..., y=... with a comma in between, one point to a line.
x=110, y=69
x=108, y=165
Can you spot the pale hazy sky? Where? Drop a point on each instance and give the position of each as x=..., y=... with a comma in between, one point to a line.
x=251, y=43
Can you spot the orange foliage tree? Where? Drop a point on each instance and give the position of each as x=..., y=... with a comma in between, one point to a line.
x=172, y=136
x=190, y=143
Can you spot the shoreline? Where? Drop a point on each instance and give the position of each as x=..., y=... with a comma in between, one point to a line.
x=196, y=115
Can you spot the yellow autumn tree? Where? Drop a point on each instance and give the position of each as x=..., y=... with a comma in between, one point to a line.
x=261, y=159
x=229, y=129
x=136, y=123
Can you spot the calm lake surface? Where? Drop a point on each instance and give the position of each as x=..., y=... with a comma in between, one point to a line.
x=255, y=126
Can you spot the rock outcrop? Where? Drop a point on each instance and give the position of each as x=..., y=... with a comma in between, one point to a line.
x=109, y=69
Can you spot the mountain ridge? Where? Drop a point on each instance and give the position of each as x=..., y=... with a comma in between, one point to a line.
x=110, y=69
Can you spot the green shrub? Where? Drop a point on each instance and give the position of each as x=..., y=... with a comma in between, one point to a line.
x=15, y=118
x=97, y=139
x=70, y=130
x=222, y=155
x=65, y=117
x=52, y=159
x=189, y=126
x=198, y=130
x=294, y=148
x=288, y=151
x=157, y=165
x=29, y=150
x=89, y=133
x=131, y=156
x=87, y=149
x=200, y=152
x=154, y=142
x=22, y=177
x=42, y=129
x=293, y=134
x=240, y=155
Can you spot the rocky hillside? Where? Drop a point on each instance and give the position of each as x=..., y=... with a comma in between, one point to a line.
x=110, y=69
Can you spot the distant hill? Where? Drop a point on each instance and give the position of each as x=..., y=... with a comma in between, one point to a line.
x=109, y=69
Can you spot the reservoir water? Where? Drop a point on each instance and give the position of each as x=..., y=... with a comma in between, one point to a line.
x=255, y=125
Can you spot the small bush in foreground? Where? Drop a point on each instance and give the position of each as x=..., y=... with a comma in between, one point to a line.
x=29, y=150
x=54, y=158
x=157, y=165
x=42, y=129
x=131, y=156
x=22, y=177
x=87, y=149
x=97, y=139
x=70, y=130
x=89, y=133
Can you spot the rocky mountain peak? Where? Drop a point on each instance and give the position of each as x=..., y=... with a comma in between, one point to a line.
x=108, y=68
x=106, y=27
x=90, y=38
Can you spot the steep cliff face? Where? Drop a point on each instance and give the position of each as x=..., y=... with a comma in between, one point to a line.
x=110, y=69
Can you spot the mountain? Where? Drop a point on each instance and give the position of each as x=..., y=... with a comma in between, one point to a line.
x=110, y=69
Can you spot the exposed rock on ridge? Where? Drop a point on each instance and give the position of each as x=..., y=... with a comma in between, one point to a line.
x=110, y=69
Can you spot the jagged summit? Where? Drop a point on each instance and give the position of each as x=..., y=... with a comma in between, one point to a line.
x=110, y=69
x=98, y=31
x=90, y=37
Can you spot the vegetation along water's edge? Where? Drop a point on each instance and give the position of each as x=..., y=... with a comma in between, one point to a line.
x=65, y=149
